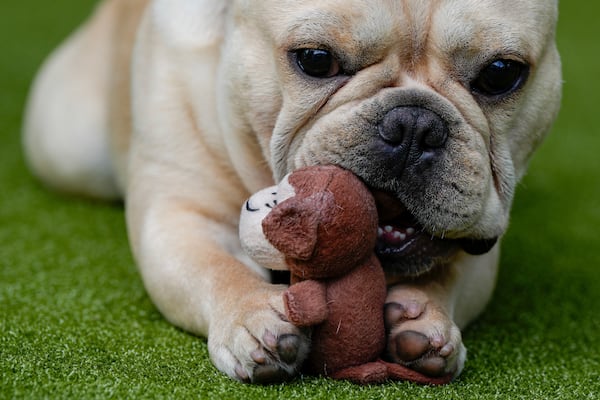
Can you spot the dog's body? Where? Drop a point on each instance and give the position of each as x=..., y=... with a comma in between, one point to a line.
x=184, y=107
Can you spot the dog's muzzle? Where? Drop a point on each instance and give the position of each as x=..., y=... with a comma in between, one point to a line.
x=413, y=138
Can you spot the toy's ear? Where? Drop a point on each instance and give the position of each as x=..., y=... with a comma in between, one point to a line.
x=292, y=226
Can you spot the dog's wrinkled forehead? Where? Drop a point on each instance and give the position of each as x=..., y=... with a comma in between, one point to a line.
x=369, y=27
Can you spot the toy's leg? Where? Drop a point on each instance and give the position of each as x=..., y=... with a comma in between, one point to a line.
x=397, y=372
x=381, y=371
x=373, y=372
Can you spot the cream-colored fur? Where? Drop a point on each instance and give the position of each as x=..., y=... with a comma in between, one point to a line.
x=184, y=107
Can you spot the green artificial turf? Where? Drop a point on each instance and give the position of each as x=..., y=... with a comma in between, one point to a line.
x=76, y=323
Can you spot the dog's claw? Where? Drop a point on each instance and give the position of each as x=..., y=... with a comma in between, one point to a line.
x=258, y=356
x=287, y=347
x=241, y=373
x=432, y=366
x=396, y=313
x=411, y=345
x=266, y=374
x=270, y=340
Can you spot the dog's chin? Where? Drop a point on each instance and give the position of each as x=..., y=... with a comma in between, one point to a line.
x=406, y=249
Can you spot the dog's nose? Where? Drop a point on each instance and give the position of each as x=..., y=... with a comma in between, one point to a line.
x=414, y=129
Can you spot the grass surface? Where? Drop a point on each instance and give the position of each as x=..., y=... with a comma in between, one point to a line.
x=75, y=321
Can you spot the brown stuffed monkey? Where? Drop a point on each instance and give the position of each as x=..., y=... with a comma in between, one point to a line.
x=320, y=223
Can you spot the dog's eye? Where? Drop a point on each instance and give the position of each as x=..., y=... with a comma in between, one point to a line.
x=500, y=77
x=317, y=63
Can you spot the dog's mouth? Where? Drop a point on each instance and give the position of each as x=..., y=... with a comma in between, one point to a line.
x=405, y=248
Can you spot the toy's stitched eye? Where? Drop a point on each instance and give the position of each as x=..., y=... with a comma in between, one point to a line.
x=501, y=77
x=317, y=63
x=249, y=208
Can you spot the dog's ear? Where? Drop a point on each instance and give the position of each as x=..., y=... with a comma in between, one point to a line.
x=292, y=227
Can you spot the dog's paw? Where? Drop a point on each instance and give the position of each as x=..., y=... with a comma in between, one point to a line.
x=253, y=341
x=421, y=336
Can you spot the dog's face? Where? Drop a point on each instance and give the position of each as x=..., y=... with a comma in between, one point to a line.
x=436, y=105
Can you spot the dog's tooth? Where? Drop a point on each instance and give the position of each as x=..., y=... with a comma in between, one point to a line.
x=399, y=235
x=379, y=232
x=388, y=228
x=410, y=231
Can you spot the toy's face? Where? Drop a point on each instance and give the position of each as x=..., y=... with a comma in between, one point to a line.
x=252, y=237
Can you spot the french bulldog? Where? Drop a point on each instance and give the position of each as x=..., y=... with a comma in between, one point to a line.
x=183, y=108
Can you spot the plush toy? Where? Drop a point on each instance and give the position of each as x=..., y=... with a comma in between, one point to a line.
x=320, y=223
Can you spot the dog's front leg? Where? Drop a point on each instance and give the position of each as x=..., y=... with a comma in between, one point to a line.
x=183, y=202
x=199, y=286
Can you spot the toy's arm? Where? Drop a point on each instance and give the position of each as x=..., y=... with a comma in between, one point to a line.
x=306, y=303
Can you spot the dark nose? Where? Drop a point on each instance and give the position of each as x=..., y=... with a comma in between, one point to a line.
x=414, y=129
